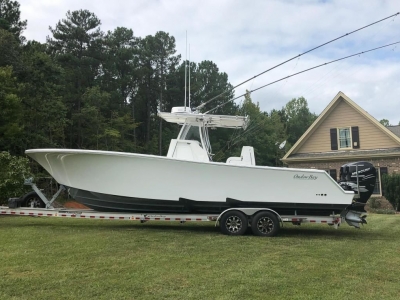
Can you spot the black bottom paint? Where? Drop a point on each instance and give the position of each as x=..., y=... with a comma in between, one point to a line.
x=111, y=203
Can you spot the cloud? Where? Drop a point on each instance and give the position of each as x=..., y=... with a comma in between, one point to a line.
x=245, y=38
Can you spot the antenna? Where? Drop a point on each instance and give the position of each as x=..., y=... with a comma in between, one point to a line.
x=185, y=70
x=306, y=70
x=189, y=76
x=282, y=145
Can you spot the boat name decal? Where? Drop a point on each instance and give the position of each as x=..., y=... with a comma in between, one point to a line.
x=305, y=177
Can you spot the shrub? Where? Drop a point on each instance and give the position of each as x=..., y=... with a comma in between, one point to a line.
x=373, y=203
x=13, y=170
x=391, y=188
x=382, y=211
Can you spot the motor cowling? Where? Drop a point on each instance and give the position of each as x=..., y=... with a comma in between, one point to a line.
x=364, y=186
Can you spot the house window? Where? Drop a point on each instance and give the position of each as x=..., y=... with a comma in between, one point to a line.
x=332, y=173
x=377, y=189
x=345, y=138
x=344, y=135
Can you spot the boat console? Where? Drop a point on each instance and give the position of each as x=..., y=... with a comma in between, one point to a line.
x=193, y=142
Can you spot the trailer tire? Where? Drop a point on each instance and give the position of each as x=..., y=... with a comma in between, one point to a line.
x=32, y=199
x=234, y=223
x=265, y=223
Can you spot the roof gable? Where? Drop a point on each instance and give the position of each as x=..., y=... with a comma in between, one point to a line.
x=337, y=107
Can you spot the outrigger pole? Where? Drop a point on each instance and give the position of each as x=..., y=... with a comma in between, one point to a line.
x=286, y=61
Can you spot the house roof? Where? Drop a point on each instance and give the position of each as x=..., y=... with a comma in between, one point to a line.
x=395, y=129
x=291, y=154
x=344, y=154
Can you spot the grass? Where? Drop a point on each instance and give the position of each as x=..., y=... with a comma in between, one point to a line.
x=54, y=258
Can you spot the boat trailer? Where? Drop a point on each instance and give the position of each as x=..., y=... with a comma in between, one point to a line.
x=233, y=221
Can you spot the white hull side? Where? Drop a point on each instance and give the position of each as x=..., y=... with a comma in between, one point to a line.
x=155, y=177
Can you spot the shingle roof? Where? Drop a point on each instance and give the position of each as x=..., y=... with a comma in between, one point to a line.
x=395, y=129
x=347, y=153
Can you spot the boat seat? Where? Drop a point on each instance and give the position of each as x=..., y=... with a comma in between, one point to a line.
x=246, y=158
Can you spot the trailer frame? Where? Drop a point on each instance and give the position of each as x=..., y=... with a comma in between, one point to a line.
x=232, y=221
x=145, y=217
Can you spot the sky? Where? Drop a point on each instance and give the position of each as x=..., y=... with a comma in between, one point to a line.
x=245, y=38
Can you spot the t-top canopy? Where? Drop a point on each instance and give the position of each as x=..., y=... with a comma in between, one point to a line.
x=206, y=120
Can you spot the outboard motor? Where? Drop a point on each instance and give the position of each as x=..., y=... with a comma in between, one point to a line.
x=359, y=177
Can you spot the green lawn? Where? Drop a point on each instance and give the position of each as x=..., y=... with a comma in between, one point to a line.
x=54, y=258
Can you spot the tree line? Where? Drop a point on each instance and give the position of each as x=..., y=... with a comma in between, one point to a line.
x=88, y=89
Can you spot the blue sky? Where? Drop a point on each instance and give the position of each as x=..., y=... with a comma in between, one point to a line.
x=245, y=38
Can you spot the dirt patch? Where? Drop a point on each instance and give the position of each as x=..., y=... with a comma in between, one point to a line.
x=74, y=204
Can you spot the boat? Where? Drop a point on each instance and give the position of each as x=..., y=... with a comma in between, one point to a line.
x=186, y=180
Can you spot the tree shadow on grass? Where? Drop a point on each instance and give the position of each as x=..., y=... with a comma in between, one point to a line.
x=322, y=232
x=363, y=234
x=210, y=228
x=316, y=232
x=105, y=225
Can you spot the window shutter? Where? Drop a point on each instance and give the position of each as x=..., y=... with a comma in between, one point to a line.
x=334, y=143
x=333, y=174
x=383, y=170
x=355, y=137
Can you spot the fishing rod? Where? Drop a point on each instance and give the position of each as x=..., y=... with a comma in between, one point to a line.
x=306, y=70
x=297, y=56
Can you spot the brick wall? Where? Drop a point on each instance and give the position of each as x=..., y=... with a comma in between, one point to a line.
x=393, y=164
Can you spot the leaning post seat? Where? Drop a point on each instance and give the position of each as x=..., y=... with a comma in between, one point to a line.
x=246, y=158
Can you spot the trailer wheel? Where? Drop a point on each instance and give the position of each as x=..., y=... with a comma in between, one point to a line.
x=234, y=223
x=32, y=199
x=265, y=223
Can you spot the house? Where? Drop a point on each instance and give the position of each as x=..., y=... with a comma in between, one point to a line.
x=344, y=133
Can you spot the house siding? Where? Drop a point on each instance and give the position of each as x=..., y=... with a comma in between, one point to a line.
x=314, y=150
x=344, y=115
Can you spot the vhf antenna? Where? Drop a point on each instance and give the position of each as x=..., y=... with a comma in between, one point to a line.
x=185, y=70
x=189, y=77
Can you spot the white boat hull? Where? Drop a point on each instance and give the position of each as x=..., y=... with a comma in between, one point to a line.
x=124, y=181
